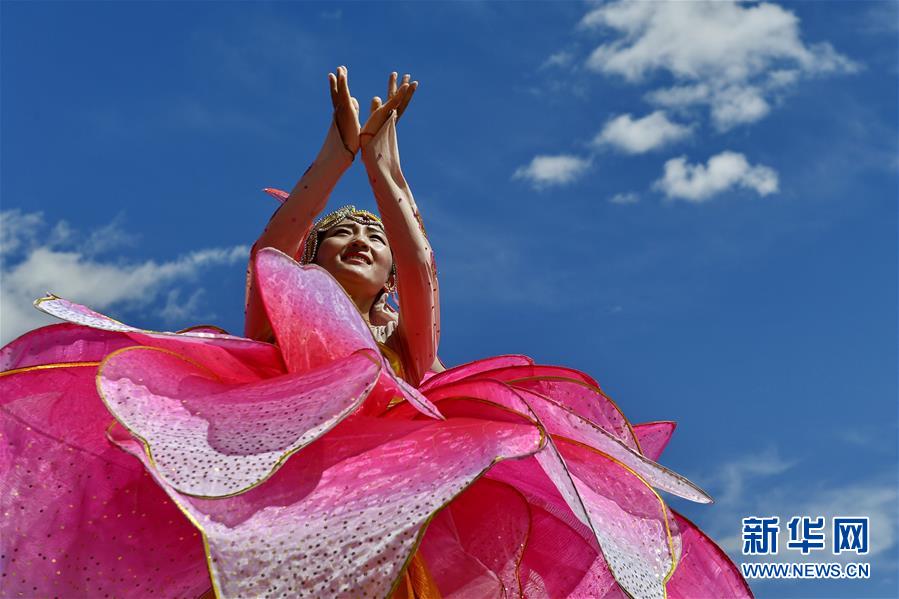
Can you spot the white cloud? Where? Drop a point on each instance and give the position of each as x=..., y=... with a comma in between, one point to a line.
x=699, y=183
x=636, y=136
x=31, y=267
x=625, y=198
x=558, y=59
x=766, y=483
x=545, y=171
x=721, y=54
x=734, y=477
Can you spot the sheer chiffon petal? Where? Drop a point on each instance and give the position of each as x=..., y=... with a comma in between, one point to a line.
x=704, y=569
x=210, y=438
x=342, y=517
x=312, y=317
x=233, y=358
x=315, y=321
x=630, y=519
x=80, y=518
x=585, y=400
x=654, y=437
x=562, y=557
x=473, y=547
x=463, y=371
x=62, y=343
x=293, y=477
x=571, y=388
x=562, y=422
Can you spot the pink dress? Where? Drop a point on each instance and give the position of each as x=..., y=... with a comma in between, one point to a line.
x=138, y=463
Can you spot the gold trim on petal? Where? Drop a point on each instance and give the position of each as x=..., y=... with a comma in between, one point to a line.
x=423, y=528
x=207, y=552
x=280, y=461
x=639, y=455
x=674, y=560
x=589, y=386
x=47, y=367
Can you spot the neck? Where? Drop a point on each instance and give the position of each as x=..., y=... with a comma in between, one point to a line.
x=364, y=307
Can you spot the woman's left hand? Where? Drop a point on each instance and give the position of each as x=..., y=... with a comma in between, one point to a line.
x=397, y=99
x=346, y=109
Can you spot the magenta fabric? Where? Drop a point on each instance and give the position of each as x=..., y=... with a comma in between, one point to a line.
x=653, y=437
x=704, y=566
x=152, y=463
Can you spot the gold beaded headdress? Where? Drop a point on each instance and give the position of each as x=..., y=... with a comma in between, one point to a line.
x=322, y=225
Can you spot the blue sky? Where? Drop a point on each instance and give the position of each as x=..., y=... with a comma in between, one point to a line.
x=695, y=204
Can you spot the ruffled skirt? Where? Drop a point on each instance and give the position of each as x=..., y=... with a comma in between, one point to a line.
x=138, y=462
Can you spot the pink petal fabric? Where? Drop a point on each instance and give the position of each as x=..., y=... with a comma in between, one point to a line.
x=79, y=517
x=704, y=569
x=60, y=344
x=342, y=517
x=653, y=437
x=233, y=358
x=264, y=469
x=564, y=423
x=585, y=400
x=464, y=371
x=562, y=557
x=631, y=520
x=314, y=319
x=278, y=194
x=209, y=438
x=474, y=547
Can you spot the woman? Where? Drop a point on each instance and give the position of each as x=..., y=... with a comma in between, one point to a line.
x=324, y=464
x=406, y=263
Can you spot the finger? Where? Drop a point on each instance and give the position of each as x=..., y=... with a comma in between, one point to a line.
x=402, y=107
x=406, y=78
x=332, y=83
x=375, y=104
x=391, y=85
x=398, y=97
x=343, y=85
x=355, y=103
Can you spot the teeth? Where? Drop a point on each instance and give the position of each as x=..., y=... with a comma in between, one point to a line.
x=355, y=256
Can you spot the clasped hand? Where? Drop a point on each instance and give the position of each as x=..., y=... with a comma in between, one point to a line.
x=346, y=108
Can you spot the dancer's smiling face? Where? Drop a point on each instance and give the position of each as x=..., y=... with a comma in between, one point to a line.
x=357, y=255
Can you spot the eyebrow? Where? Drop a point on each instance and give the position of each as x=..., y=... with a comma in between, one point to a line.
x=376, y=228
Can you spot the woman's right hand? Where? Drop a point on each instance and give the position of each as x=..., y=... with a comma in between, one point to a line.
x=397, y=99
x=346, y=110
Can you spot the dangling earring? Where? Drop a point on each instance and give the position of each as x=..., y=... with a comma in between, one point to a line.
x=390, y=289
x=390, y=286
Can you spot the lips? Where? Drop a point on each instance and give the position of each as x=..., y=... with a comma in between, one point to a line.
x=356, y=258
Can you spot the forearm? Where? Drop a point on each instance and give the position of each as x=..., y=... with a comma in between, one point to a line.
x=288, y=227
x=291, y=222
x=419, y=323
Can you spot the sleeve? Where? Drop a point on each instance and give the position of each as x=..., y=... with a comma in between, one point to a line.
x=288, y=227
x=419, y=320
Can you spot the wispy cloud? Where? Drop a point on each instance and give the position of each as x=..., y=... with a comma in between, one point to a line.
x=34, y=262
x=637, y=136
x=743, y=56
x=699, y=183
x=561, y=58
x=768, y=484
x=625, y=198
x=546, y=171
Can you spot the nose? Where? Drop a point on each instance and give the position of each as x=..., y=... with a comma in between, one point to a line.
x=359, y=241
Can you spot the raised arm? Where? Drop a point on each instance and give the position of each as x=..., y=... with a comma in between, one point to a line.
x=419, y=322
x=290, y=224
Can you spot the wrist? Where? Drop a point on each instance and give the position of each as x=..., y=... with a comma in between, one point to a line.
x=335, y=149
